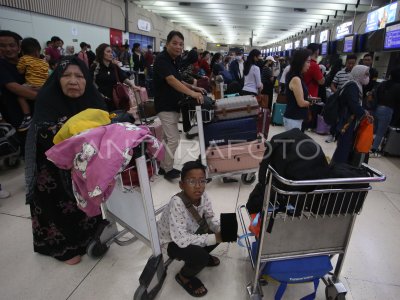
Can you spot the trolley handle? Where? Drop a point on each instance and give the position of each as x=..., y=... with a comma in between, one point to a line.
x=379, y=177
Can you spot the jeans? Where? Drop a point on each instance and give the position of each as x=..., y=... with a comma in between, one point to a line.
x=383, y=116
x=291, y=123
x=169, y=121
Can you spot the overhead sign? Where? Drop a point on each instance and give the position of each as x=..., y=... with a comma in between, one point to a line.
x=323, y=36
x=144, y=25
x=344, y=29
x=289, y=46
x=297, y=44
x=305, y=42
x=378, y=19
x=313, y=38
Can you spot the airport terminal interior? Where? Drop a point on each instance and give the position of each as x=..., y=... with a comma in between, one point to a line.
x=344, y=37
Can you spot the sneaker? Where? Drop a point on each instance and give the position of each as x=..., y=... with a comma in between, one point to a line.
x=330, y=139
x=4, y=194
x=25, y=123
x=173, y=174
x=375, y=154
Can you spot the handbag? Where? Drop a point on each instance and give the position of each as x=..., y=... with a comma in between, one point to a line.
x=262, y=100
x=121, y=94
x=364, y=137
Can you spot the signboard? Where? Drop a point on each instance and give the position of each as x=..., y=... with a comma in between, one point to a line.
x=279, y=48
x=297, y=44
x=348, y=44
x=344, y=29
x=323, y=36
x=313, y=38
x=289, y=46
x=305, y=42
x=144, y=25
x=378, y=19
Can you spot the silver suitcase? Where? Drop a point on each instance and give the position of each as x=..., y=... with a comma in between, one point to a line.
x=392, y=142
x=236, y=107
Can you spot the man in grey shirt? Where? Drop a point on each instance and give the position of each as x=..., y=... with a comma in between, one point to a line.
x=342, y=76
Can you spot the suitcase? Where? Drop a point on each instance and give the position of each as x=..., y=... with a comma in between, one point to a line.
x=392, y=142
x=278, y=110
x=231, y=95
x=225, y=132
x=235, y=157
x=156, y=129
x=263, y=122
x=322, y=127
x=236, y=107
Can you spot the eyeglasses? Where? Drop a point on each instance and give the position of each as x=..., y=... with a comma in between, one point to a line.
x=194, y=182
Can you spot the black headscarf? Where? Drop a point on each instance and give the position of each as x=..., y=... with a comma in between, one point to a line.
x=51, y=103
x=52, y=107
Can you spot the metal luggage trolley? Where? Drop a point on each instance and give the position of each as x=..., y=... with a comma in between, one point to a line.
x=247, y=176
x=131, y=206
x=308, y=218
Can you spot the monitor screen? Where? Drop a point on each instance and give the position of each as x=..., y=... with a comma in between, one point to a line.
x=348, y=44
x=392, y=37
x=378, y=19
x=324, y=48
x=344, y=29
x=375, y=40
x=338, y=46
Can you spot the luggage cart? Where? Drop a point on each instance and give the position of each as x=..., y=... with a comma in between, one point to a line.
x=316, y=222
x=132, y=207
x=247, y=176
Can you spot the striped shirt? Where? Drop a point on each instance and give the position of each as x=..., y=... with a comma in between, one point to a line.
x=341, y=78
x=36, y=70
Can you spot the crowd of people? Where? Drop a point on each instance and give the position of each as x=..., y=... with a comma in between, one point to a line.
x=41, y=90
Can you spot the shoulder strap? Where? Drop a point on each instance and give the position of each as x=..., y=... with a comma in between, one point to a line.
x=116, y=72
x=189, y=206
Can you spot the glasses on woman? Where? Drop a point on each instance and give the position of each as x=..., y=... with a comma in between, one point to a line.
x=194, y=182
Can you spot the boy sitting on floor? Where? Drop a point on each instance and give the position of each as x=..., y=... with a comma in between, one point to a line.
x=189, y=239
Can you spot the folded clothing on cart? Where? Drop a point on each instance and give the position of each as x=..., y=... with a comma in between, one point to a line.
x=295, y=156
x=96, y=156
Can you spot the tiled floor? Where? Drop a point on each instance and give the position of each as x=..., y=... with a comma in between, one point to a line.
x=371, y=269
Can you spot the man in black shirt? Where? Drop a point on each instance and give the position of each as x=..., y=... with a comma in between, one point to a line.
x=10, y=80
x=168, y=92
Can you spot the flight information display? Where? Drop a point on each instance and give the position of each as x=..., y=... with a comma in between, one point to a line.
x=392, y=37
x=348, y=44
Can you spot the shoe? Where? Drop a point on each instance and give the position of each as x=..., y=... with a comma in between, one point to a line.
x=330, y=139
x=161, y=171
x=375, y=154
x=229, y=180
x=173, y=174
x=4, y=194
x=25, y=124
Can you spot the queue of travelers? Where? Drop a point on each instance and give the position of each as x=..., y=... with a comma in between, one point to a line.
x=40, y=93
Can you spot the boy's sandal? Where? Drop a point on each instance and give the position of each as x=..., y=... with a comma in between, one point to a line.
x=213, y=261
x=192, y=286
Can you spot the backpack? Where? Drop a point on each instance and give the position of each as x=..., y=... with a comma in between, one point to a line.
x=331, y=111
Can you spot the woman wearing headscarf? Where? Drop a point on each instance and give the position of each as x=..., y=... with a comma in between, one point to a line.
x=60, y=229
x=387, y=102
x=351, y=112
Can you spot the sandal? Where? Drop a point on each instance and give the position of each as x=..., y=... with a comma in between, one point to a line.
x=213, y=261
x=192, y=286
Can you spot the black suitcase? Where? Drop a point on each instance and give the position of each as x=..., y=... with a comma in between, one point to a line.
x=230, y=131
x=392, y=142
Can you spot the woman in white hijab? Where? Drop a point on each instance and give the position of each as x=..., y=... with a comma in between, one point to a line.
x=351, y=112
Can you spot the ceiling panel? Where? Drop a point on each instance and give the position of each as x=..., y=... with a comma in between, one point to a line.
x=234, y=21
